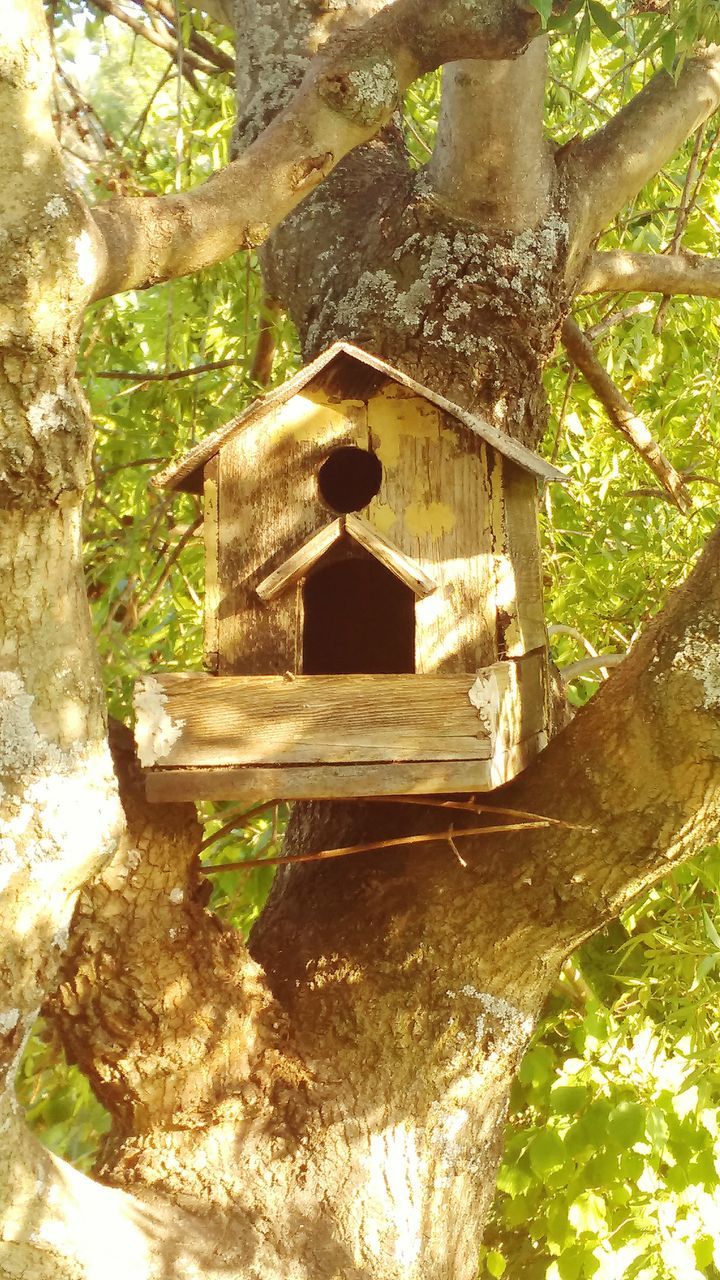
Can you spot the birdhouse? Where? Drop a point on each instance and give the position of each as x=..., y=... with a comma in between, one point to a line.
x=373, y=603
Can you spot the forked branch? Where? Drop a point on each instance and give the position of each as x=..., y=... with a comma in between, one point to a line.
x=622, y=414
x=349, y=93
x=621, y=272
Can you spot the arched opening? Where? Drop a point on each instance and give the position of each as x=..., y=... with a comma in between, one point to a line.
x=358, y=617
x=349, y=479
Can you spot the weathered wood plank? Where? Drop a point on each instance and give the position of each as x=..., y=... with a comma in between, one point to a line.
x=401, y=565
x=518, y=570
x=433, y=505
x=252, y=785
x=318, y=719
x=270, y=504
x=297, y=565
x=319, y=782
x=212, y=589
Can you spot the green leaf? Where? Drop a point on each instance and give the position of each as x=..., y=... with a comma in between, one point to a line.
x=626, y=1123
x=582, y=49
x=544, y=8
x=495, y=1263
x=604, y=20
x=546, y=1153
x=668, y=51
x=710, y=930
x=587, y=1213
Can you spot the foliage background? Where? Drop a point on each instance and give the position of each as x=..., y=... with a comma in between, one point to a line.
x=612, y=1166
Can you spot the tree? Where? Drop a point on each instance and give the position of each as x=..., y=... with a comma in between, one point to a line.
x=330, y=1101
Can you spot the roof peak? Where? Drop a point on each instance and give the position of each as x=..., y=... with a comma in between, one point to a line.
x=180, y=474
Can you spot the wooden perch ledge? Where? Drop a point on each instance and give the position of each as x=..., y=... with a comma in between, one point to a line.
x=349, y=93
x=622, y=414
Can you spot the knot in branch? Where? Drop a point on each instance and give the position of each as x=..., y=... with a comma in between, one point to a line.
x=366, y=91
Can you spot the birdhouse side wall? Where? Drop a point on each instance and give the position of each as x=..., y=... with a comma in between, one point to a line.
x=269, y=502
x=211, y=528
x=518, y=592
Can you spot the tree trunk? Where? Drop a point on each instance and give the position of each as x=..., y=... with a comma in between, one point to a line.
x=331, y=1104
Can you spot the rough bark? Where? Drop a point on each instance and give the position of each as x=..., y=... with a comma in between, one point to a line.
x=332, y=1103
x=347, y=94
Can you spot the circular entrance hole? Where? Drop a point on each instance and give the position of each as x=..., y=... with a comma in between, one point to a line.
x=349, y=479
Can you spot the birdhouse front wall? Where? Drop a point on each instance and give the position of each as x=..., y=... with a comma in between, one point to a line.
x=269, y=505
x=449, y=502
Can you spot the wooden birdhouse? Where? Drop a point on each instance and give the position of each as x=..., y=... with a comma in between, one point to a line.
x=373, y=604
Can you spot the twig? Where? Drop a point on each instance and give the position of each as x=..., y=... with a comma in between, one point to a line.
x=266, y=346
x=237, y=819
x=124, y=466
x=177, y=550
x=141, y=121
x=198, y=42
x=138, y=375
x=617, y=317
x=562, y=629
x=583, y=665
x=163, y=41
x=622, y=414
x=283, y=860
x=687, y=200
x=455, y=849
x=472, y=806
x=563, y=411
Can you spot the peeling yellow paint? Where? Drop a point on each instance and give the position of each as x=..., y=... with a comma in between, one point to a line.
x=433, y=518
x=391, y=417
x=382, y=517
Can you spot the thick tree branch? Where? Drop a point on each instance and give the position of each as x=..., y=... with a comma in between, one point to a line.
x=349, y=93
x=611, y=166
x=622, y=272
x=643, y=756
x=499, y=172
x=622, y=415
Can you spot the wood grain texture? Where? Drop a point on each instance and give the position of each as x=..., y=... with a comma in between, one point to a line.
x=299, y=564
x=319, y=782
x=517, y=587
x=414, y=577
x=270, y=504
x=338, y=366
x=434, y=506
x=322, y=719
x=527, y=629
x=211, y=528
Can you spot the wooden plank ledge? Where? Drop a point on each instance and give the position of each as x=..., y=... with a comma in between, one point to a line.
x=253, y=785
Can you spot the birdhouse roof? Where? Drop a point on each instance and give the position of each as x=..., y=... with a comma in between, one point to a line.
x=182, y=473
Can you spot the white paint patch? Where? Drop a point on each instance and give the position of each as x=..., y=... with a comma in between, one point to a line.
x=56, y=207
x=155, y=731
x=484, y=694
